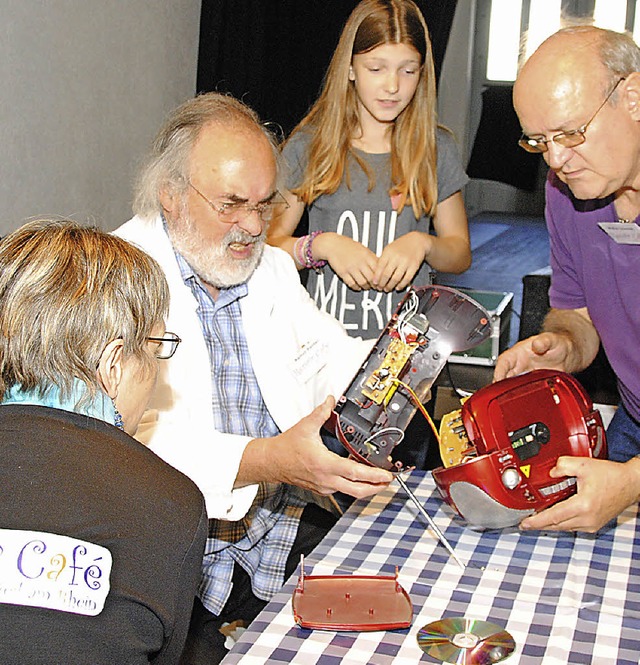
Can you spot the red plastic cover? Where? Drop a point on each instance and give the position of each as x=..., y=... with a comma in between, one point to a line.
x=351, y=603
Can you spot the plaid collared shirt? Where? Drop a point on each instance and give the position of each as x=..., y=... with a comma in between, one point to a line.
x=261, y=541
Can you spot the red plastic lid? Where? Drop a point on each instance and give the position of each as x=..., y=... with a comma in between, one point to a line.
x=351, y=602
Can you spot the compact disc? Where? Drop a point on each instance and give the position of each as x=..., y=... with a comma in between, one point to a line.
x=465, y=641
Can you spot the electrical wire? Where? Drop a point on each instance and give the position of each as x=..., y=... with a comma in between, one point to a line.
x=407, y=312
x=455, y=389
x=386, y=430
x=420, y=405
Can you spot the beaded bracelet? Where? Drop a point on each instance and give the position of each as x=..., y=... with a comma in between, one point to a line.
x=310, y=263
x=303, y=254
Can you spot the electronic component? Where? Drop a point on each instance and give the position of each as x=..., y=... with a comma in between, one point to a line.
x=351, y=602
x=430, y=323
x=370, y=418
x=498, y=449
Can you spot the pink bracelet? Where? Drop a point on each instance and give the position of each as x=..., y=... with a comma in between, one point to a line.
x=316, y=265
x=298, y=251
x=303, y=252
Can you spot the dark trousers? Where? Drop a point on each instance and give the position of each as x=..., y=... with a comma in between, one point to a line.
x=205, y=642
x=623, y=436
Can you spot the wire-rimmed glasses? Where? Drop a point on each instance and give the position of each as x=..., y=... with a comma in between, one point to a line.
x=167, y=345
x=234, y=212
x=568, y=139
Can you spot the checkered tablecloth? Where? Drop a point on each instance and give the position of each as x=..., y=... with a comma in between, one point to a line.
x=565, y=598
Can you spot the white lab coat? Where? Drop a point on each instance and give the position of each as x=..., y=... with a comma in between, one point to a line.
x=299, y=354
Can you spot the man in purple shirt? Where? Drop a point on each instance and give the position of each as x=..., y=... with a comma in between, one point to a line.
x=578, y=101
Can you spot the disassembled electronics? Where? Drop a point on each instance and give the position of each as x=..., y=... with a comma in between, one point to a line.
x=498, y=449
x=429, y=325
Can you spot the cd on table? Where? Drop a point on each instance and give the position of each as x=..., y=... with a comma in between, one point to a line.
x=465, y=641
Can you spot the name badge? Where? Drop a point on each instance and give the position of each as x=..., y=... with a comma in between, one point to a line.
x=623, y=234
x=311, y=358
x=40, y=569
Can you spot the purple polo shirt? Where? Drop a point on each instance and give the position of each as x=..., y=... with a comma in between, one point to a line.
x=590, y=269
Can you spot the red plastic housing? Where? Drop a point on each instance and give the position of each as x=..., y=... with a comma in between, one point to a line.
x=517, y=429
x=351, y=603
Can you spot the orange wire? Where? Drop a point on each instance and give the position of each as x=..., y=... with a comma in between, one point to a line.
x=420, y=406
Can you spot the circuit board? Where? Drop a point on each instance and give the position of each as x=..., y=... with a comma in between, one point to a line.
x=382, y=383
x=396, y=378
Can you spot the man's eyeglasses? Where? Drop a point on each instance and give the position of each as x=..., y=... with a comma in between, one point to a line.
x=236, y=212
x=569, y=139
x=167, y=345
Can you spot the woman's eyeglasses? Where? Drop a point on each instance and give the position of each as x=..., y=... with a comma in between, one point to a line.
x=167, y=345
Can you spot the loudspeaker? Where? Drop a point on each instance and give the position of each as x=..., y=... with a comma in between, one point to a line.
x=535, y=304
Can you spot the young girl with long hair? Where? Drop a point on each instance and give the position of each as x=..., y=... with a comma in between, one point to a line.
x=380, y=179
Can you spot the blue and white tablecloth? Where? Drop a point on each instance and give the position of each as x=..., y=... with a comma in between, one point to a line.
x=565, y=598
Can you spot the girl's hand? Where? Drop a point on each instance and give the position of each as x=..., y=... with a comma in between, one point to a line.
x=401, y=260
x=354, y=263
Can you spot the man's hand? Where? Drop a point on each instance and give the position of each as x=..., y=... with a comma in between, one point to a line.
x=569, y=342
x=543, y=351
x=299, y=457
x=605, y=489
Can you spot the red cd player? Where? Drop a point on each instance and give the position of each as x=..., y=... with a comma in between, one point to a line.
x=497, y=450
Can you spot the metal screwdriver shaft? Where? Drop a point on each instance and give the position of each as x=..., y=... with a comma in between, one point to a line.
x=431, y=523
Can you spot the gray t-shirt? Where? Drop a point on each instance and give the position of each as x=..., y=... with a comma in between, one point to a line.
x=367, y=217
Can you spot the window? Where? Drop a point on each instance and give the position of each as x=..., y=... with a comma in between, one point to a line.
x=535, y=20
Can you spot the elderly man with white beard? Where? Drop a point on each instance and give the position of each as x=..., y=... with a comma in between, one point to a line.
x=239, y=407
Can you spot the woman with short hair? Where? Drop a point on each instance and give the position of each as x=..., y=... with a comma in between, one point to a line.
x=101, y=541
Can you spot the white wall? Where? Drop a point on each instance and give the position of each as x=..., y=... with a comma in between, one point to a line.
x=459, y=108
x=85, y=86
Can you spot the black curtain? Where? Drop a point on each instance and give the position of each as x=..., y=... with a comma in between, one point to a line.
x=273, y=54
x=496, y=154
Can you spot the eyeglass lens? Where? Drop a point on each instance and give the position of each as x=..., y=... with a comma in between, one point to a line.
x=566, y=140
x=570, y=139
x=238, y=212
x=167, y=345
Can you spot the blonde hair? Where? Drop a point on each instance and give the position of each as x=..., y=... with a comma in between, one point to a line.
x=333, y=119
x=166, y=165
x=66, y=291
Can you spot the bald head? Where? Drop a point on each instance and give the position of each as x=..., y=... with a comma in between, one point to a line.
x=567, y=46
x=167, y=163
x=576, y=58
x=564, y=66
x=578, y=97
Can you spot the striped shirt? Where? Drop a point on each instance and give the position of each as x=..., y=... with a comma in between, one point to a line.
x=262, y=540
